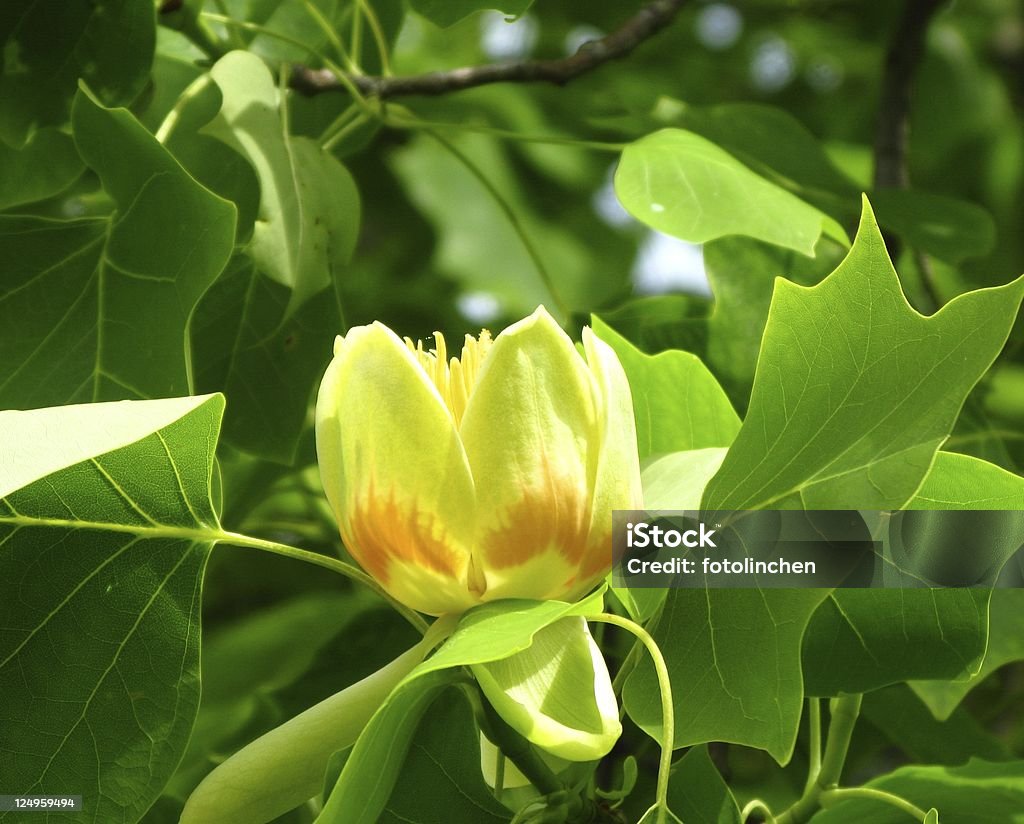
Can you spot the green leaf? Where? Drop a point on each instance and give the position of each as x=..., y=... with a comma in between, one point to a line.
x=908, y=724
x=697, y=793
x=1005, y=645
x=713, y=641
x=677, y=403
x=441, y=781
x=44, y=167
x=98, y=308
x=978, y=792
x=108, y=44
x=840, y=415
x=950, y=229
x=371, y=771
x=309, y=208
x=960, y=482
x=486, y=633
x=105, y=527
x=448, y=12
x=684, y=185
x=677, y=480
x=266, y=361
x=772, y=142
x=865, y=639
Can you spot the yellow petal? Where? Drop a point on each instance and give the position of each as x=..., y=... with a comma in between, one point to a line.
x=530, y=432
x=556, y=693
x=616, y=484
x=395, y=472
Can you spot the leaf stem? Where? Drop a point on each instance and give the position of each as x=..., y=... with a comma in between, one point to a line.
x=667, y=711
x=845, y=711
x=348, y=570
x=814, y=733
x=837, y=795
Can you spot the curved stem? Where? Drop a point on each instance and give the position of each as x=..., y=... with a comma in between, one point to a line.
x=830, y=797
x=348, y=570
x=510, y=215
x=193, y=90
x=378, y=36
x=757, y=806
x=668, y=718
x=256, y=28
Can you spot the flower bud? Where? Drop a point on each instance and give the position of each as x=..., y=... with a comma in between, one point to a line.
x=490, y=475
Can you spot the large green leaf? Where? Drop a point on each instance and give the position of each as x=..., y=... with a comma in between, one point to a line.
x=309, y=208
x=854, y=390
x=734, y=660
x=677, y=403
x=684, y=185
x=106, y=523
x=107, y=43
x=977, y=792
x=98, y=308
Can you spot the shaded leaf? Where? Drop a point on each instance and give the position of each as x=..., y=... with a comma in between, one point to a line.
x=46, y=53
x=98, y=308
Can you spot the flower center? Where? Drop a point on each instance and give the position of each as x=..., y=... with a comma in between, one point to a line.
x=453, y=378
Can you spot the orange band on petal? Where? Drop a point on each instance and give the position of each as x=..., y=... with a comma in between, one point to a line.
x=540, y=522
x=379, y=530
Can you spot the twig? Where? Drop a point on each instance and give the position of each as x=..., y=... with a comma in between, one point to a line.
x=643, y=25
x=892, y=130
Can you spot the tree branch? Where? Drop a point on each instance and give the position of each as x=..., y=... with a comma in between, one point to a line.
x=901, y=60
x=645, y=24
x=892, y=130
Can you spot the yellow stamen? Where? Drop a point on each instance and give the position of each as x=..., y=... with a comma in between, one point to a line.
x=455, y=378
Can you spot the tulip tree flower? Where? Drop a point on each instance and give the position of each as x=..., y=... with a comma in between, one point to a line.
x=488, y=476
x=456, y=482
x=491, y=475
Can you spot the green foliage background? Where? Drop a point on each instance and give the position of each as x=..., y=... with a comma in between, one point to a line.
x=176, y=221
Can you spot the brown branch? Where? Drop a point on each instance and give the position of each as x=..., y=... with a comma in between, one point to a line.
x=901, y=60
x=643, y=25
x=892, y=130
